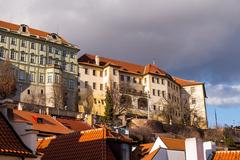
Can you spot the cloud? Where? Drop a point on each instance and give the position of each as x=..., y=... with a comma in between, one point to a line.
x=223, y=95
x=194, y=39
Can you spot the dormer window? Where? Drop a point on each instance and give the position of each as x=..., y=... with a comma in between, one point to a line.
x=39, y=120
x=24, y=28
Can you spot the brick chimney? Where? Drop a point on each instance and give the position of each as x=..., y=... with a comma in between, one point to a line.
x=97, y=60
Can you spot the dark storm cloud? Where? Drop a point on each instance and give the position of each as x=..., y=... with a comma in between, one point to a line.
x=196, y=39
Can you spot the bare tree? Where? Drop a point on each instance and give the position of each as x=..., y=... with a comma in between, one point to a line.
x=87, y=100
x=7, y=80
x=59, y=93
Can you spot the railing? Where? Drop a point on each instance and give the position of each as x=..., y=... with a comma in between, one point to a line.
x=127, y=89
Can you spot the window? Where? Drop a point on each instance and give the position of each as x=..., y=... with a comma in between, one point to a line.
x=94, y=85
x=105, y=72
x=12, y=54
x=102, y=102
x=169, y=96
x=94, y=72
x=39, y=120
x=41, y=60
x=153, y=79
x=41, y=91
x=154, y=107
x=168, y=83
x=193, y=100
x=95, y=101
x=1, y=52
x=192, y=90
x=13, y=41
x=64, y=65
x=153, y=92
x=21, y=75
x=56, y=51
x=32, y=77
x=71, y=84
x=50, y=60
x=50, y=49
x=86, y=84
x=41, y=78
x=56, y=78
x=140, y=81
x=101, y=87
x=114, y=84
x=2, y=39
x=101, y=73
x=72, y=54
x=32, y=58
x=28, y=91
x=64, y=52
x=158, y=80
x=23, y=44
x=163, y=82
x=145, y=80
x=159, y=93
x=163, y=94
x=134, y=80
x=86, y=71
x=32, y=45
x=24, y=29
x=71, y=67
x=128, y=78
x=50, y=78
x=22, y=58
x=122, y=77
x=114, y=72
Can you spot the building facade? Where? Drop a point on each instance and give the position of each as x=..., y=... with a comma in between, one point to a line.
x=44, y=63
x=144, y=91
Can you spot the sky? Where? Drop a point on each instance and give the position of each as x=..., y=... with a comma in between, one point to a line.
x=193, y=39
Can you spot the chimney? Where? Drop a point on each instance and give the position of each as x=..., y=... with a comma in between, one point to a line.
x=97, y=60
x=194, y=149
x=208, y=147
x=19, y=107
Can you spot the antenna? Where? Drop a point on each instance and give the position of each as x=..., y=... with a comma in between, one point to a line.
x=154, y=61
x=216, y=118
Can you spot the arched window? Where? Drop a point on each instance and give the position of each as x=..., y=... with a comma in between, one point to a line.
x=142, y=104
x=125, y=101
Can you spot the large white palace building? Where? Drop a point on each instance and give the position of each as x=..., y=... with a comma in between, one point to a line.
x=144, y=90
x=45, y=62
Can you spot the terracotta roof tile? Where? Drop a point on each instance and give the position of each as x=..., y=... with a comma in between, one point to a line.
x=151, y=155
x=145, y=148
x=90, y=144
x=15, y=27
x=10, y=142
x=75, y=125
x=124, y=66
x=227, y=155
x=184, y=82
x=49, y=124
x=173, y=143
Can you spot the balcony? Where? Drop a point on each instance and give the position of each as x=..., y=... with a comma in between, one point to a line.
x=125, y=88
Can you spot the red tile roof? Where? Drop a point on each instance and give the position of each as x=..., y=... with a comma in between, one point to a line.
x=75, y=125
x=124, y=66
x=184, y=82
x=173, y=143
x=90, y=144
x=227, y=155
x=15, y=27
x=49, y=125
x=10, y=142
x=151, y=155
x=145, y=148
